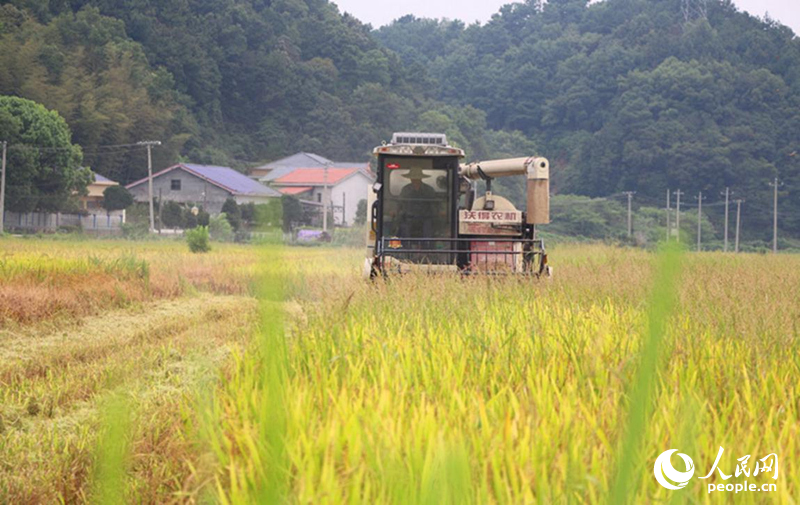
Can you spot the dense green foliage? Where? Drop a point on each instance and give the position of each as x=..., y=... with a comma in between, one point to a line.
x=630, y=94
x=197, y=239
x=220, y=81
x=232, y=213
x=42, y=178
x=117, y=198
x=291, y=213
x=86, y=68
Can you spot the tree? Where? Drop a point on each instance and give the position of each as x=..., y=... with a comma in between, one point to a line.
x=292, y=212
x=361, y=212
x=117, y=198
x=248, y=211
x=232, y=213
x=172, y=215
x=43, y=166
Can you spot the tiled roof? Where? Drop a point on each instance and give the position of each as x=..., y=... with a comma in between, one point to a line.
x=315, y=176
x=283, y=166
x=295, y=190
x=224, y=177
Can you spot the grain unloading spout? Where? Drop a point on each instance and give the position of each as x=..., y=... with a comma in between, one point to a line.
x=537, y=171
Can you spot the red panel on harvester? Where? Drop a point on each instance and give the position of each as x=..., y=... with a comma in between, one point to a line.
x=495, y=255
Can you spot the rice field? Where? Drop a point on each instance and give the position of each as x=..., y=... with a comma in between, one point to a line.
x=139, y=372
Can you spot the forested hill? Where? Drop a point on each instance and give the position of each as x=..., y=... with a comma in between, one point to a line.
x=631, y=94
x=220, y=81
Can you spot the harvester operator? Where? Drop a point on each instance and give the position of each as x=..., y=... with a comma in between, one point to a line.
x=418, y=206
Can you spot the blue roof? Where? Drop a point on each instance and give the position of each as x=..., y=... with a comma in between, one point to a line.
x=230, y=179
x=225, y=177
x=100, y=178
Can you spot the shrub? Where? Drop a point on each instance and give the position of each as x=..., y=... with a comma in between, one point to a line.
x=268, y=215
x=197, y=238
x=220, y=228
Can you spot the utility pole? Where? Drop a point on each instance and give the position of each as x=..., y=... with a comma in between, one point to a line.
x=727, y=196
x=738, y=221
x=149, y=144
x=325, y=201
x=630, y=222
x=668, y=202
x=3, y=189
x=678, y=215
x=160, y=208
x=775, y=186
x=699, y=218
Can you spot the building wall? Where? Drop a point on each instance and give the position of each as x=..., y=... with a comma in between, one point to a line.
x=344, y=195
x=348, y=193
x=193, y=190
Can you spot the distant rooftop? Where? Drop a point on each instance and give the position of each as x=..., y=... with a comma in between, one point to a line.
x=303, y=161
x=315, y=176
x=223, y=177
x=99, y=178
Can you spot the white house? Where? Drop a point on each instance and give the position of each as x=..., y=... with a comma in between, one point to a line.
x=347, y=187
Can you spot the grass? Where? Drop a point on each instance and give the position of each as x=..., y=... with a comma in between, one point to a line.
x=416, y=390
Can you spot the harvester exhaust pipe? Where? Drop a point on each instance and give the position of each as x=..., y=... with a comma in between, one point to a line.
x=537, y=171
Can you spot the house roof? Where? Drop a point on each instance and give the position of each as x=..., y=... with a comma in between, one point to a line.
x=315, y=176
x=303, y=160
x=295, y=190
x=224, y=177
x=102, y=180
x=300, y=159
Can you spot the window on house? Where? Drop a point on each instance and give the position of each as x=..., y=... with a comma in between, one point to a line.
x=319, y=197
x=175, y=185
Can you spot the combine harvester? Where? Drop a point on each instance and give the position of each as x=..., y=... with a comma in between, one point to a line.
x=424, y=214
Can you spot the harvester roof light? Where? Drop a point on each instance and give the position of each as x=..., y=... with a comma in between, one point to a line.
x=438, y=139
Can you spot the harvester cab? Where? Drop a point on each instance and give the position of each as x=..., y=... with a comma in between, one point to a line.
x=425, y=214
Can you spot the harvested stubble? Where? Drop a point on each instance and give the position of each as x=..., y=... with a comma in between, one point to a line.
x=53, y=386
x=71, y=280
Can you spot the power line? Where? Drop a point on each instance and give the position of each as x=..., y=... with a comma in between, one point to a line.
x=30, y=147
